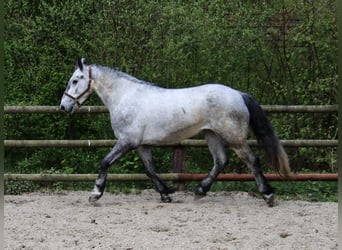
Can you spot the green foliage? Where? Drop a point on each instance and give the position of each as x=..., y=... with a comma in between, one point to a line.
x=19, y=187
x=315, y=191
x=282, y=52
x=310, y=191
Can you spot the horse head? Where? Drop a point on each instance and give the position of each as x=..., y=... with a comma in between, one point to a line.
x=78, y=88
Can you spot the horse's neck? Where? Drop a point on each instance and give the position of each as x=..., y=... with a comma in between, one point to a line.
x=110, y=87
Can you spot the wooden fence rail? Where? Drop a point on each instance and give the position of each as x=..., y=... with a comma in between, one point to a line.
x=184, y=143
x=164, y=177
x=103, y=109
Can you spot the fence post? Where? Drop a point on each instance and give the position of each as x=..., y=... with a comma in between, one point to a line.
x=179, y=165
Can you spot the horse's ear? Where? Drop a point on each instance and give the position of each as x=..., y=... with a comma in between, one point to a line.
x=80, y=63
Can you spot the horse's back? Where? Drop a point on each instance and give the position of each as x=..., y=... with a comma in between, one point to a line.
x=221, y=101
x=219, y=94
x=209, y=99
x=210, y=94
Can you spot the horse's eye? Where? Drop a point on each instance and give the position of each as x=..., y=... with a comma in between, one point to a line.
x=81, y=77
x=74, y=81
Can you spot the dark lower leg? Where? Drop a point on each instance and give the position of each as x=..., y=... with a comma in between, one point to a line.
x=206, y=183
x=217, y=150
x=204, y=186
x=118, y=150
x=246, y=154
x=100, y=183
x=261, y=181
x=161, y=187
x=263, y=186
x=146, y=156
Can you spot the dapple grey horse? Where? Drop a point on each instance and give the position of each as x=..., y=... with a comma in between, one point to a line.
x=143, y=115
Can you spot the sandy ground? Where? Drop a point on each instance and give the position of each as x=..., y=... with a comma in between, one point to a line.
x=225, y=220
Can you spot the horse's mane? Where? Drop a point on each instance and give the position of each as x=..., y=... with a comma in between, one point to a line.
x=117, y=73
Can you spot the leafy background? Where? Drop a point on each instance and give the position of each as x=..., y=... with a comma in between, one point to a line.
x=282, y=52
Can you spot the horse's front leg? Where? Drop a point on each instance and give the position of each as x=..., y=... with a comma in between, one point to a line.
x=146, y=157
x=118, y=150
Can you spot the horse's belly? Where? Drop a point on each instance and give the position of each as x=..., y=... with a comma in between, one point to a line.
x=171, y=133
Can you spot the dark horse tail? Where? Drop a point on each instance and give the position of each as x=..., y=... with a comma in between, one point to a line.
x=266, y=136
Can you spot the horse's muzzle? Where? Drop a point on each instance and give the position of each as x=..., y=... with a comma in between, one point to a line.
x=62, y=107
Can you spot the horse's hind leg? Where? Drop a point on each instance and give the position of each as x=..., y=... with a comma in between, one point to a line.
x=217, y=150
x=245, y=153
x=146, y=157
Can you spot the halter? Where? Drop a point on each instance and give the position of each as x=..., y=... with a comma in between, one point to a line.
x=76, y=99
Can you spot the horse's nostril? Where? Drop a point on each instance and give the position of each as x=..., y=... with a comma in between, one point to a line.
x=62, y=107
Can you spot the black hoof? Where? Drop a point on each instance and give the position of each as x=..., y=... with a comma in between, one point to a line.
x=165, y=198
x=269, y=198
x=94, y=197
x=96, y=193
x=200, y=192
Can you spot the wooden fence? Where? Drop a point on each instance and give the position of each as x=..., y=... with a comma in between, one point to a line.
x=103, y=109
x=179, y=148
